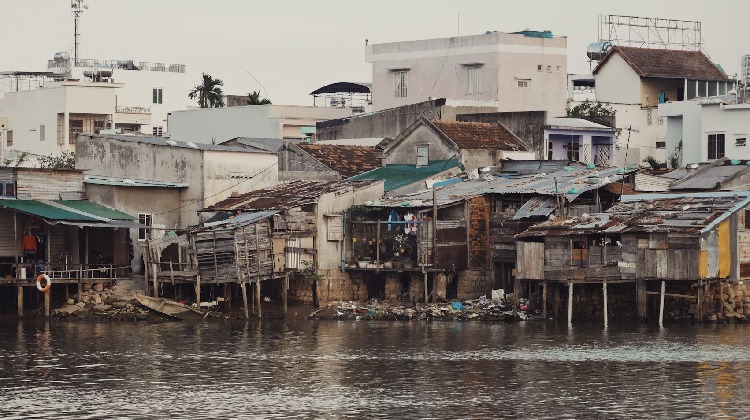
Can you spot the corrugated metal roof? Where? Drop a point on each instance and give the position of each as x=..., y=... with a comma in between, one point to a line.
x=125, y=182
x=709, y=178
x=95, y=209
x=576, y=124
x=167, y=142
x=536, y=206
x=66, y=210
x=570, y=184
x=651, y=183
x=243, y=219
x=397, y=176
x=532, y=167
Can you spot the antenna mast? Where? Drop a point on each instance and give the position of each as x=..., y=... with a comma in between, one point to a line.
x=78, y=7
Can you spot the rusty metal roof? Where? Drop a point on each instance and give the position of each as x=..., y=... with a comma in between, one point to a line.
x=474, y=135
x=712, y=176
x=344, y=159
x=570, y=183
x=542, y=205
x=288, y=195
x=683, y=213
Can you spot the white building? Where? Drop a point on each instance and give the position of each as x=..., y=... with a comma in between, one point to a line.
x=151, y=90
x=634, y=81
x=524, y=71
x=46, y=121
x=578, y=140
x=217, y=125
x=701, y=130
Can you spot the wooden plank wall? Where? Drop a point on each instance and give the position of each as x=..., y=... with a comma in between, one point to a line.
x=527, y=263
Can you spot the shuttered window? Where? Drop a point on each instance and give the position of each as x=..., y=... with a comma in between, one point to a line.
x=335, y=227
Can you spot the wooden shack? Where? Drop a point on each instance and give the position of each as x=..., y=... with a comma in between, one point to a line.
x=693, y=239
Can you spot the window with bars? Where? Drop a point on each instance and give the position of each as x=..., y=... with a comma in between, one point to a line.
x=715, y=146
x=473, y=80
x=9, y=138
x=423, y=155
x=523, y=83
x=76, y=128
x=158, y=95
x=400, y=83
x=157, y=131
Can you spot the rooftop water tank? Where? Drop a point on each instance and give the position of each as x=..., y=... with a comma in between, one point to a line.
x=61, y=57
x=596, y=51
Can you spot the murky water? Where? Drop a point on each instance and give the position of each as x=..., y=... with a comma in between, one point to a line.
x=329, y=369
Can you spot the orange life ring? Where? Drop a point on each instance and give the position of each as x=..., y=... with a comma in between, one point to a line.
x=39, y=279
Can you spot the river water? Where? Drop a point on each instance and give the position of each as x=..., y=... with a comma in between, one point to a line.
x=348, y=369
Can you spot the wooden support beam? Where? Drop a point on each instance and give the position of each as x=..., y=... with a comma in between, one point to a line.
x=640, y=289
x=570, y=303
x=257, y=297
x=156, y=280
x=544, y=300
x=661, y=304
x=699, y=307
x=47, y=301
x=556, y=299
x=20, y=301
x=606, y=313
x=198, y=290
x=516, y=292
x=426, y=290
x=286, y=291
x=677, y=295
x=243, y=287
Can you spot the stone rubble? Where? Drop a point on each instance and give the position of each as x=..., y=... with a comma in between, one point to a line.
x=100, y=302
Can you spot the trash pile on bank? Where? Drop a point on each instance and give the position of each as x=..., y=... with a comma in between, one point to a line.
x=481, y=309
x=99, y=302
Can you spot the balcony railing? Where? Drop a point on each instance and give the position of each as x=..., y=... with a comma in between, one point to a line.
x=132, y=110
x=120, y=64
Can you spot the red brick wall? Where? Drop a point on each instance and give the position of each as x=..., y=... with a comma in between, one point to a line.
x=479, y=233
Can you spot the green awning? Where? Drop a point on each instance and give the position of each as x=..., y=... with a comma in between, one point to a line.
x=65, y=210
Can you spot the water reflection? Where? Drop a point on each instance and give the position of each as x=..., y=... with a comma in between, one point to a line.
x=371, y=369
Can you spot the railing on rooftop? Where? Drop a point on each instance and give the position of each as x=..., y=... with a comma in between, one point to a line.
x=133, y=109
x=124, y=65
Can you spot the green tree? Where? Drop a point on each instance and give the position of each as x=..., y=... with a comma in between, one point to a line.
x=595, y=111
x=208, y=92
x=253, y=98
x=67, y=160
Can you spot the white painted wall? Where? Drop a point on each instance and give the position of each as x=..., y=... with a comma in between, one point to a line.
x=263, y=121
x=27, y=110
x=438, y=68
x=225, y=172
x=618, y=83
x=693, y=120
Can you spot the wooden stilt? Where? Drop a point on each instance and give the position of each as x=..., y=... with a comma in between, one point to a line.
x=67, y=293
x=257, y=297
x=243, y=286
x=80, y=286
x=640, y=286
x=606, y=310
x=570, y=302
x=47, y=301
x=426, y=289
x=156, y=280
x=699, y=303
x=228, y=296
x=516, y=292
x=544, y=299
x=285, y=291
x=20, y=301
x=198, y=290
x=556, y=297
x=661, y=304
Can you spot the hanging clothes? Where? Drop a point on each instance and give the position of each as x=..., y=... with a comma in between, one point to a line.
x=28, y=245
x=392, y=218
x=410, y=228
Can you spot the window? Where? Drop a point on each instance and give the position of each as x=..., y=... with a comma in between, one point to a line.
x=574, y=151
x=157, y=131
x=400, y=82
x=8, y=189
x=76, y=128
x=144, y=219
x=158, y=95
x=740, y=141
x=549, y=69
x=715, y=146
x=9, y=138
x=98, y=126
x=559, y=68
x=473, y=80
x=335, y=227
x=42, y=133
x=523, y=83
x=550, y=150
x=539, y=67
x=423, y=155
x=661, y=144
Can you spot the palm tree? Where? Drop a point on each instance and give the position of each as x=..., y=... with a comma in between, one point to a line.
x=253, y=98
x=209, y=92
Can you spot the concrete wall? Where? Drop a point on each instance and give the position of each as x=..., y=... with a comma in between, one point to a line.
x=216, y=125
x=391, y=122
x=159, y=202
x=405, y=151
x=439, y=68
x=618, y=83
x=330, y=253
x=528, y=126
x=27, y=110
x=225, y=172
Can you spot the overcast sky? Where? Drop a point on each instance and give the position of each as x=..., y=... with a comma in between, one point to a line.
x=294, y=47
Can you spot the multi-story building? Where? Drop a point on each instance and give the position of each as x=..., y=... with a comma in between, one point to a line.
x=522, y=71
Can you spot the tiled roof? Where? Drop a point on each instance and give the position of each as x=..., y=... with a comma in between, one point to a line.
x=649, y=62
x=286, y=196
x=473, y=135
x=346, y=160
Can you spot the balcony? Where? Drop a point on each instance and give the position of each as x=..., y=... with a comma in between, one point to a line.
x=136, y=115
